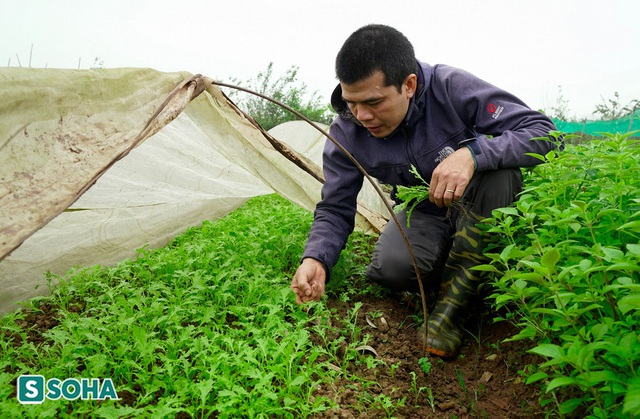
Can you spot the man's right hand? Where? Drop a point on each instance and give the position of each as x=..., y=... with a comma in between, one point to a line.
x=309, y=281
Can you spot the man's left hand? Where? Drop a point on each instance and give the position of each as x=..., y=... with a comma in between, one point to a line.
x=451, y=177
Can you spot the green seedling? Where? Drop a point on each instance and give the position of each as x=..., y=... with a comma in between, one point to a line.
x=425, y=364
x=431, y=399
x=417, y=392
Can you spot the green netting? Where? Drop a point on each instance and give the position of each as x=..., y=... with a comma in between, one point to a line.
x=622, y=125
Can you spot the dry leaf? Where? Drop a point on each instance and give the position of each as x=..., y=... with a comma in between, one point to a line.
x=384, y=326
x=334, y=367
x=486, y=376
x=370, y=322
x=367, y=348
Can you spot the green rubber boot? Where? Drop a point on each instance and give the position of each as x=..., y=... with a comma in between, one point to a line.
x=444, y=325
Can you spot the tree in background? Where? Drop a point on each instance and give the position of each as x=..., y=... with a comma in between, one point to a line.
x=285, y=89
x=561, y=108
x=612, y=108
x=607, y=110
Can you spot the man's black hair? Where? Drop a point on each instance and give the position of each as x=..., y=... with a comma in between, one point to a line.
x=376, y=47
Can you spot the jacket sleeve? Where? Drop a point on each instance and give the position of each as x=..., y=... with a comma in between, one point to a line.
x=334, y=216
x=506, y=129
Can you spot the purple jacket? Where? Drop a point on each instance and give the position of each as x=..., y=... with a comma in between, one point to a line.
x=451, y=109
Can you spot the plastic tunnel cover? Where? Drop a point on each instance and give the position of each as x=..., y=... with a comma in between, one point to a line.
x=95, y=164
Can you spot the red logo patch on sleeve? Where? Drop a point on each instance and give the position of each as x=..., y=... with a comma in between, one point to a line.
x=494, y=110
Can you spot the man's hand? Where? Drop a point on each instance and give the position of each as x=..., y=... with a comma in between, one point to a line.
x=309, y=281
x=451, y=177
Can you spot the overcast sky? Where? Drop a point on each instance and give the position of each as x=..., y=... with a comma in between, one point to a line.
x=589, y=48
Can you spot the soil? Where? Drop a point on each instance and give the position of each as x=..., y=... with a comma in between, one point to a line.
x=483, y=381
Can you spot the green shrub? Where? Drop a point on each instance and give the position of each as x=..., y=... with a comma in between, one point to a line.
x=568, y=272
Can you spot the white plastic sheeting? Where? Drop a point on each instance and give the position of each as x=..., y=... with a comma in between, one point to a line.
x=96, y=164
x=310, y=142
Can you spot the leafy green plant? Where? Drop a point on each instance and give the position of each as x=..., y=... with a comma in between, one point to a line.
x=567, y=272
x=425, y=364
x=206, y=326
x=387, y=404
x=411, y=196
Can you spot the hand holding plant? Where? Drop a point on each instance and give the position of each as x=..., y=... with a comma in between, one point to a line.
x=451, y=177
x=308, y=283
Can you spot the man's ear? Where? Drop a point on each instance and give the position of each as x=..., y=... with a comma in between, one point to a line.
x=411, y=84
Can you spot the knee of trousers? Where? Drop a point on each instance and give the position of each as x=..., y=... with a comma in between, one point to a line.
x=492, y=189
x=393, y=272
x=391, y=265
x=392, y=268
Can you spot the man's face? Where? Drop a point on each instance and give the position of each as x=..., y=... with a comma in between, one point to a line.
x=379, y=108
